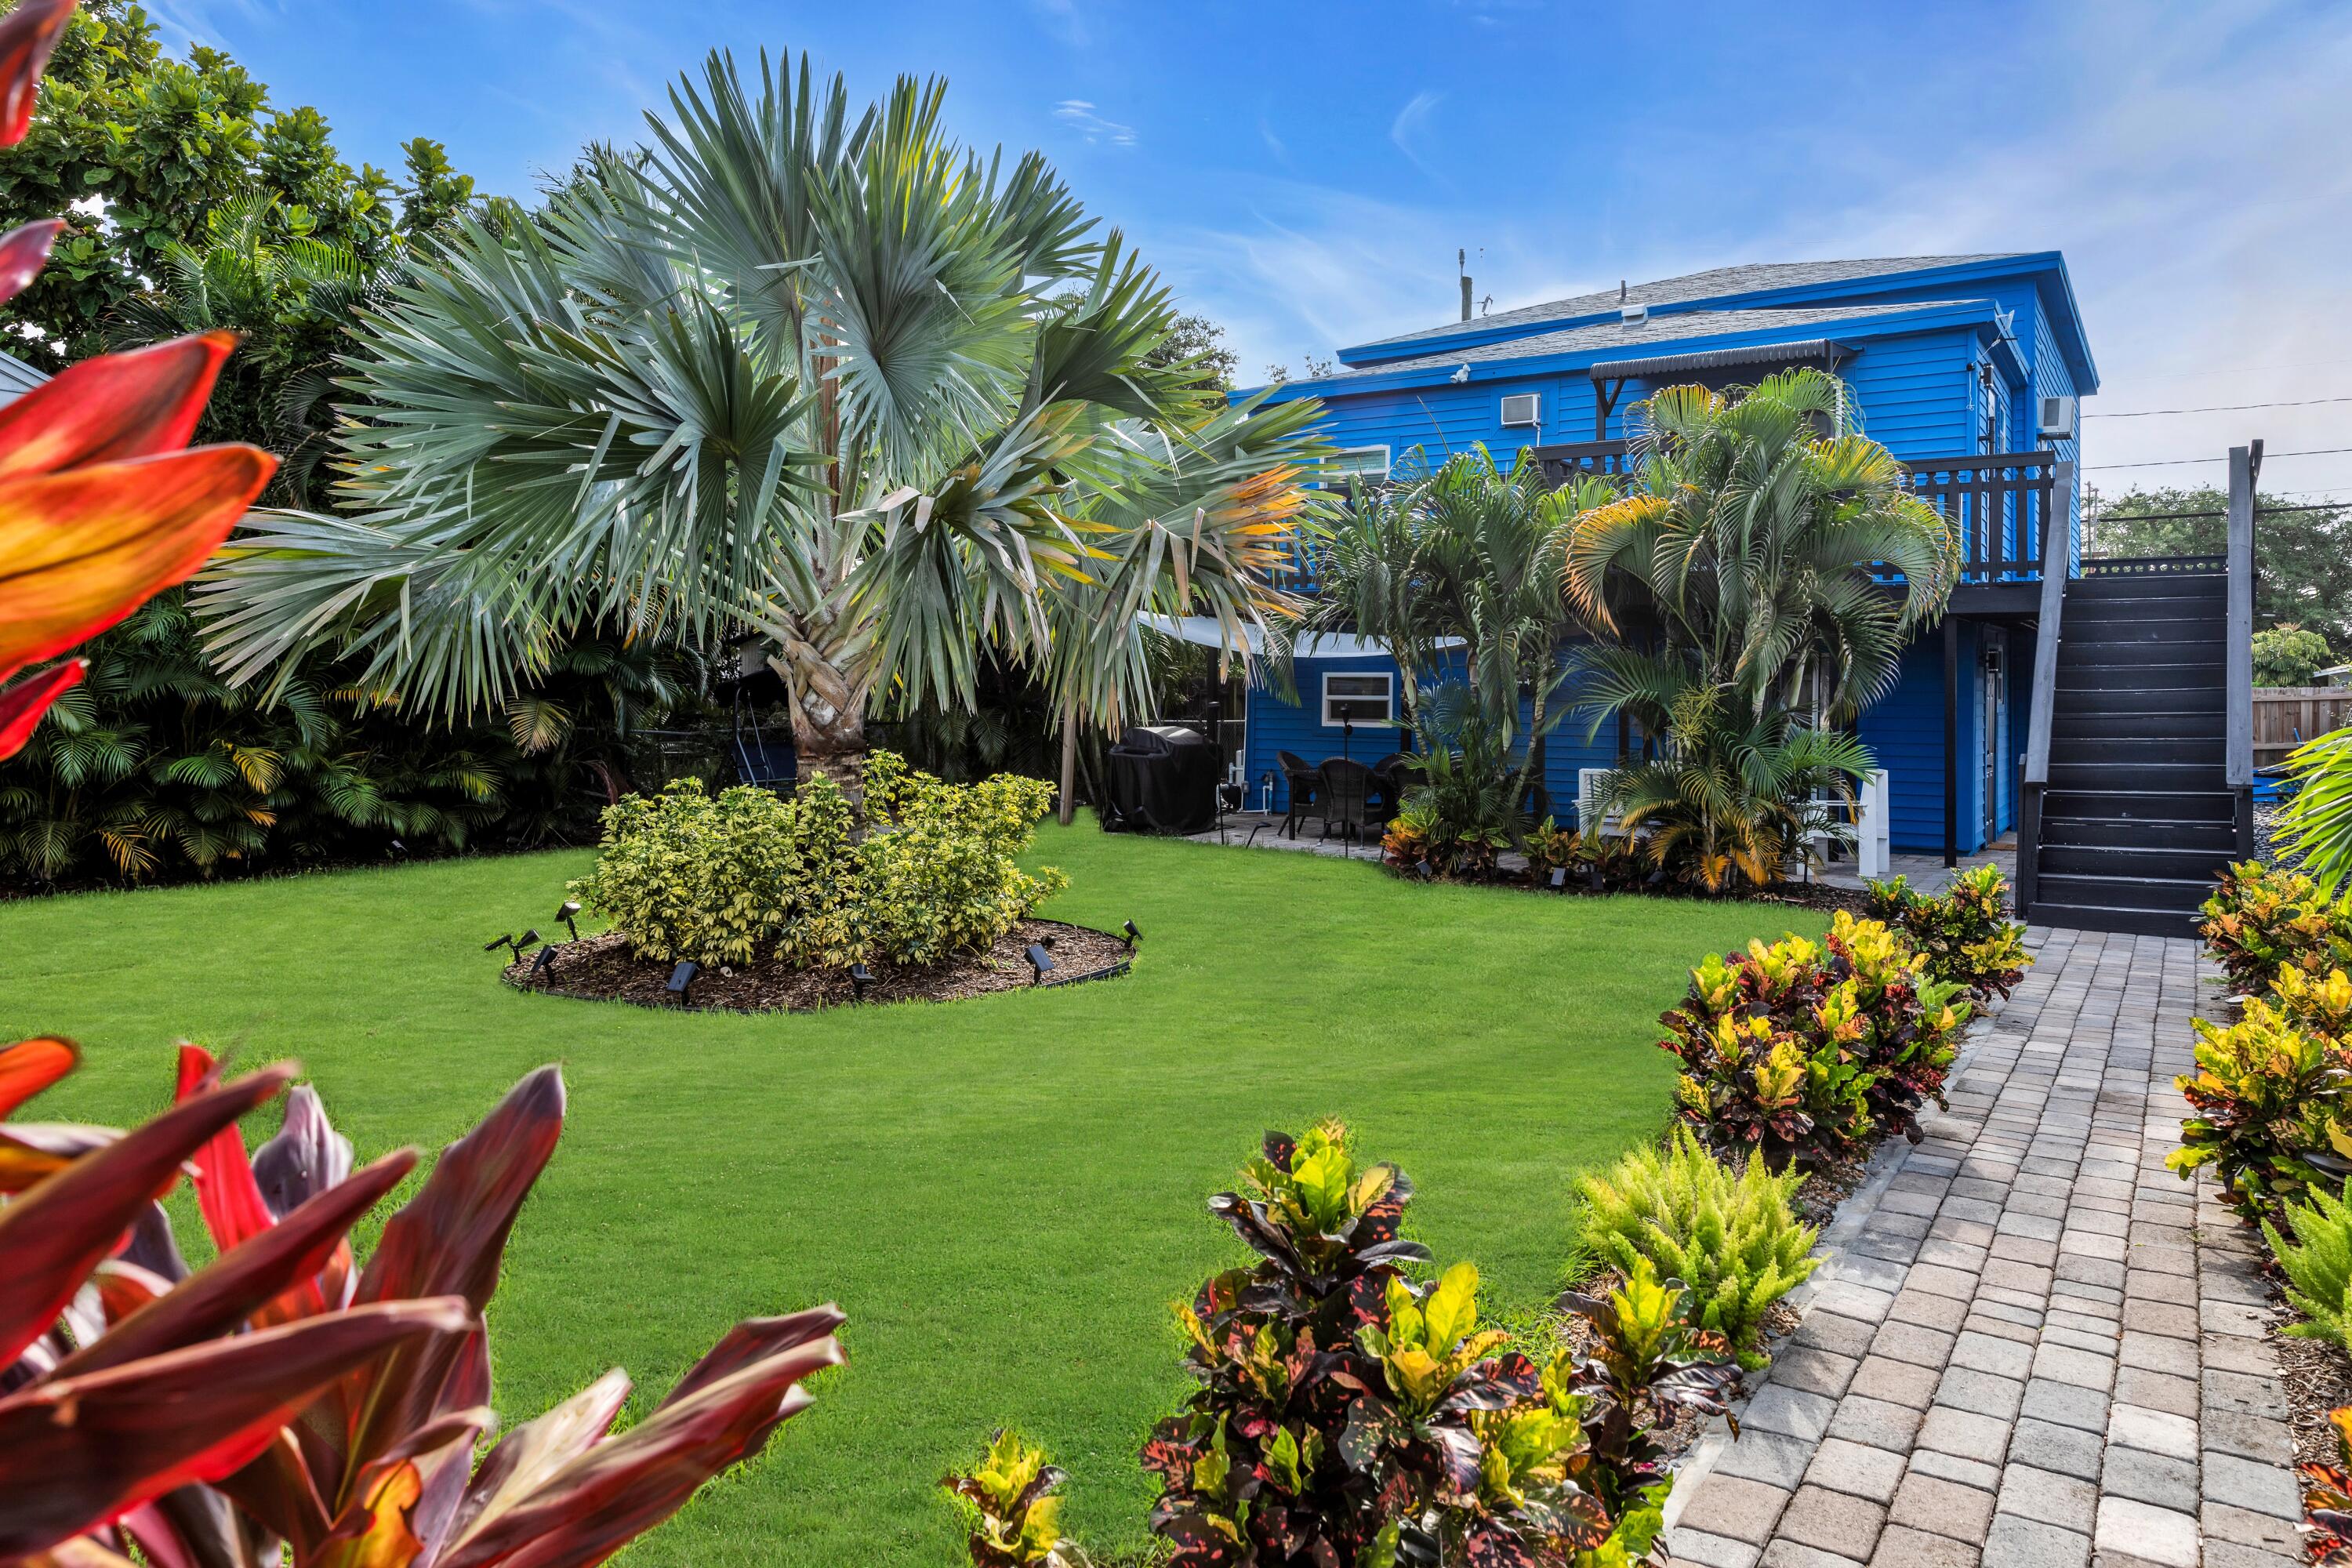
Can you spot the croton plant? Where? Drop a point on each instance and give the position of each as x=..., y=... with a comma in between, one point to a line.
x=1349, y=1413
x=288, y=1403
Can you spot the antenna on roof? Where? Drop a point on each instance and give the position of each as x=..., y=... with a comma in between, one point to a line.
x=1621, y=291
x=1461, y=265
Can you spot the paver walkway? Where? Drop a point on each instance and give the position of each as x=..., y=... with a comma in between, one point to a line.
x=2032, y=1343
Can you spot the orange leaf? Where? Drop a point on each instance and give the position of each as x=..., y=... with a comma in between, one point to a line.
x=23, y=252
x=26, y=39
x=226, y=1194
x=29, y=1067
x=113, y=408
x=79, y=551
x=22, y=705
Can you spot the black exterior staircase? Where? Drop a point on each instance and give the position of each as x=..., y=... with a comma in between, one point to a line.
x=2139, y=813
x=2138, y=778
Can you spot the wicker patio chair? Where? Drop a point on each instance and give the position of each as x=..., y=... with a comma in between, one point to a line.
x=1305, y=782
x=1347, y=792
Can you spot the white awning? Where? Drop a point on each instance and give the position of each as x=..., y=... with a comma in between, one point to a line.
x=1207, y=633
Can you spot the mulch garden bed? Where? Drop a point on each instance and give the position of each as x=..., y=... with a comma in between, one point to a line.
x=603, y=969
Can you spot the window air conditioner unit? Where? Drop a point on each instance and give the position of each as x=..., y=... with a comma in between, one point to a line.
x=2059, y=416
x=1523, y=410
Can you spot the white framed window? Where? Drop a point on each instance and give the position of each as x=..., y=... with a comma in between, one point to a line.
x=1359, y=698
x=1366, y=463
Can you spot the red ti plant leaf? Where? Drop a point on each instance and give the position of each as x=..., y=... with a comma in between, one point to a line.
x=29, y=1067
x=24, y=252
x=620, y=1487
x=22, y=705
x=56, y=1234
x=226, y=1194
x=80, y=550
x=449, y=1240
x=26, y=41
x=113, y=408
x=241, y=1282
x=76, y=1453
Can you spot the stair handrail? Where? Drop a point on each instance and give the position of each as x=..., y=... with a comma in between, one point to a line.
x=2238, y=757
x=2057, y=558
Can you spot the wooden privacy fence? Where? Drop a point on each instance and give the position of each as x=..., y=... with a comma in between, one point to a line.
x=2287, y=716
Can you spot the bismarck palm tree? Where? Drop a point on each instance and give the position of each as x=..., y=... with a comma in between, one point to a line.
x=830, y=380
x=1752, y=594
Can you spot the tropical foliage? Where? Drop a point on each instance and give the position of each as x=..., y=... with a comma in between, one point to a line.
x=1802, y=1051
x=2260, y=917
x=887, y=400
x=1009, y=1503
x=749, y=876
x=2327, y=1500
x=1963, y=933
x=2315, y=827
x=169, y=147
x=2289, y=656
x=2270, y=1112
x=1730, y=1236
x=289, y=1402
x=1750, y=594
x=2317, y=1264
x=1346, y=1414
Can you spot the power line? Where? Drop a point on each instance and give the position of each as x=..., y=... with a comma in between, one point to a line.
x=2177, y=462
x=2216, y=408
x=2183, y=516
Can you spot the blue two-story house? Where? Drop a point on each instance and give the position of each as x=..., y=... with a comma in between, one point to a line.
x=1967, y=368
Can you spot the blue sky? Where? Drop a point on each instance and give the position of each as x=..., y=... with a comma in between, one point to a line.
x=1305, y=173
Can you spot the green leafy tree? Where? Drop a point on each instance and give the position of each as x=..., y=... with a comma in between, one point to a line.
x=820, y=372
x=2300, y=579
x=2289, y=656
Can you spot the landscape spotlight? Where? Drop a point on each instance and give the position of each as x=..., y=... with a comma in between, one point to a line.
x=1423, y=867
x=1559, y=878
x=1593, y=880
x=1133, y=935
x=1040, y=960
x=545, y=963
x=683, y=976
x=514, y=944
x=504, y=938
x=567, y=914
x=398, y=847
x=860, y=977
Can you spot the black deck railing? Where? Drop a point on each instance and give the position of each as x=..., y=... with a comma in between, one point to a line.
x=2000, y=503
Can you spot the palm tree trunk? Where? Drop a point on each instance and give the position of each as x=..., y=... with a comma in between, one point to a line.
x=1069, y=809
x=828, y=705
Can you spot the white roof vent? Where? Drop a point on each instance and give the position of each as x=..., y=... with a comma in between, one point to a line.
x=1630, y=314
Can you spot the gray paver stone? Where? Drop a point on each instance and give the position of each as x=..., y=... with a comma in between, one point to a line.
x=2257, y=1488
x=1903, y=1547
x=2159, y=1534
x=2068, y=1501
x=2015, y=1543
x=1847, y=1467
x=1833, y=1522
x=2069, y=1450
x=1942, y=1508
x=2158, y=1479
x=1736, y=1507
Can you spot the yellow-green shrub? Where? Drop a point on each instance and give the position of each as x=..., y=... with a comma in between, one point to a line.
x=748, y=875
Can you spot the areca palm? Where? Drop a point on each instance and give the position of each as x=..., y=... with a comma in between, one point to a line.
x=826, y=377
x=1754, y=588
x=1466, y=554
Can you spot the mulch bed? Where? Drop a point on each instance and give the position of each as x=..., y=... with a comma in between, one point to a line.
x=603, y=969
x=2318, y=1379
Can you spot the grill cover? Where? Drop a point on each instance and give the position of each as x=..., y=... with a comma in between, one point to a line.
x=1163, y=779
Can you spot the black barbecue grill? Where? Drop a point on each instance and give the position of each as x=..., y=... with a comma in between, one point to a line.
x=1163, y=779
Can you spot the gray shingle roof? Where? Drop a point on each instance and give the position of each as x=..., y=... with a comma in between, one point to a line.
x=1607, y=335
x=1713, y=284
x=17, y=378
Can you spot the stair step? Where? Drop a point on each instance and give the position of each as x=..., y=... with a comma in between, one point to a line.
x=2106, y=612
x=2139, y=584
x=2174, y=805
x=2150, y=858
x=2136, y=832
x=2136, y=748
x=2181, y=726
x=2106, y=701
x=2137, y=675
x=2141, y=631
x=2095, y=917
x=2160, y=895
x=2138, y=778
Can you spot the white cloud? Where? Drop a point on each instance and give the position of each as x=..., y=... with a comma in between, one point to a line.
x=1408, y=126
x=1078, y=113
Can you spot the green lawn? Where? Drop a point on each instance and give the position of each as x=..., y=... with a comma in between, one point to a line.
x=1004, y=1195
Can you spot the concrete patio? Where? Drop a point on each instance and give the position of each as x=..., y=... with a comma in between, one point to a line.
x=2033, y=1344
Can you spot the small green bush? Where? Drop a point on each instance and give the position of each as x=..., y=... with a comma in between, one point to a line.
x=749, y=874
x=2319, y=1269
x=1731, y=1237
x=1965, y=934
x=2270, y=1110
